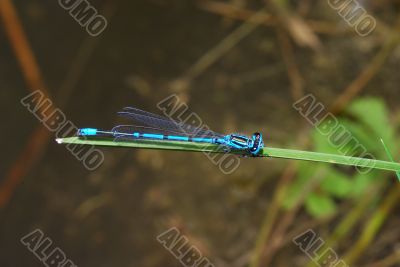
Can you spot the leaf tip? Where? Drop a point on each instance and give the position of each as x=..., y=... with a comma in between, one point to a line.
x=390, y=157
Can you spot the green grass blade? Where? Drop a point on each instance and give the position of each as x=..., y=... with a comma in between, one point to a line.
x=390, y=157
x=266, y=152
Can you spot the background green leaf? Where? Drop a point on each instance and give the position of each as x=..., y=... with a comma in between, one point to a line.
x=320, y=205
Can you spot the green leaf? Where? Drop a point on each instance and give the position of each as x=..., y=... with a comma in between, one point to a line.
x=266, y=151
x=361, y=182
x=321, y=142
x=373, y=113
x=362, y=135
x=295, y=190
x=337, y=183
x=292, y=197
x=320, y=205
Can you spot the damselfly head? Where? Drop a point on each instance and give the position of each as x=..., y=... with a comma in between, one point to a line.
x=258, y=143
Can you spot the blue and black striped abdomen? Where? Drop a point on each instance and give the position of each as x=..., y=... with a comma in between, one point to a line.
x=155, y=136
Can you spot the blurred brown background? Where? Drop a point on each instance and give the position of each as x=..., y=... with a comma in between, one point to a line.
x=235, y=72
